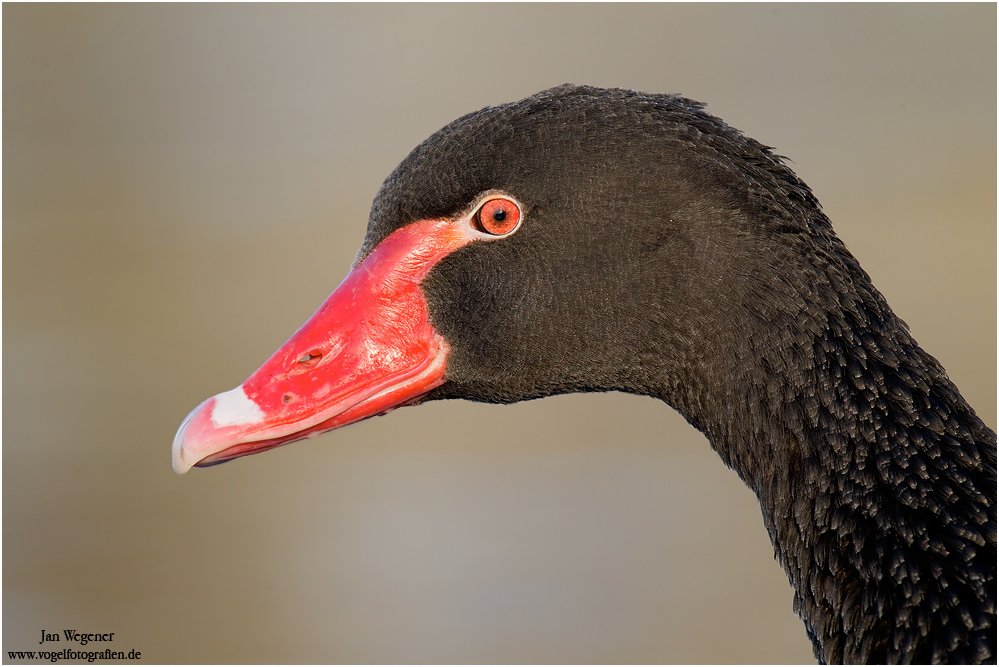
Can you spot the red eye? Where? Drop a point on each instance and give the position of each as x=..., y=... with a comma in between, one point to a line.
x=498, y=216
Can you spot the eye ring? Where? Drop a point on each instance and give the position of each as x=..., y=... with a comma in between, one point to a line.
x=497, y=216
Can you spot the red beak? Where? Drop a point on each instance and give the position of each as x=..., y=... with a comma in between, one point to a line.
x=369, y=349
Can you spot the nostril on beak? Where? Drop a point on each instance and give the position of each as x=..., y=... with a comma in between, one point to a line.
x=309, y=359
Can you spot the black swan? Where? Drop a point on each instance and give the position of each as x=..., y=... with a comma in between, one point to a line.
x=592, y=240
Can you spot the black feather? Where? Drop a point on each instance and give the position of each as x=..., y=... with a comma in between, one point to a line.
x=664, y=253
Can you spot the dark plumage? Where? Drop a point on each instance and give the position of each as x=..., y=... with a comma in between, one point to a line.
x=663, y=253
x=635, y=243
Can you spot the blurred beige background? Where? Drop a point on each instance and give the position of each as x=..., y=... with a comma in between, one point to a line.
x=184, y=185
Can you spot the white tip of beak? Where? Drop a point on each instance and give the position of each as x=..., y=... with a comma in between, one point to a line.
x=180, y=464
x=208, y=435
x=234, y=407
